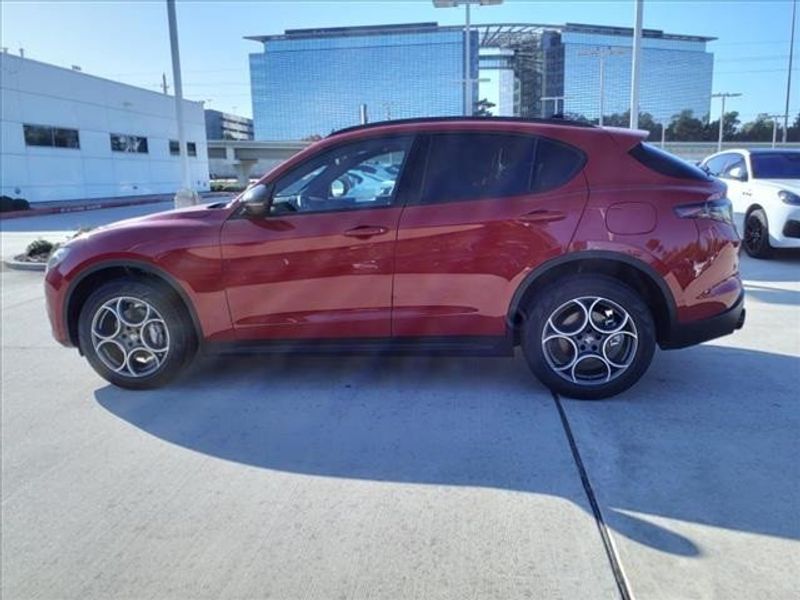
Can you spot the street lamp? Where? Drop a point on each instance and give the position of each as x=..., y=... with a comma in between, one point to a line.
x=602, y=52
x=468, y=80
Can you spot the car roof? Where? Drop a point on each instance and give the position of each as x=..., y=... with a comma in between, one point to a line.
x=483, y=120
x=752, y=151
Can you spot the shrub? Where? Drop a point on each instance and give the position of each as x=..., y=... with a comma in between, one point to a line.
x=20, y=204
x=6, y=204
x=39, y=247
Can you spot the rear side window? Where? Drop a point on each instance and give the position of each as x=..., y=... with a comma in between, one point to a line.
x=471, y=166
x=665, y=163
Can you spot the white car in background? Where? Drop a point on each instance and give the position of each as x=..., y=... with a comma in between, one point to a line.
x=764, y=188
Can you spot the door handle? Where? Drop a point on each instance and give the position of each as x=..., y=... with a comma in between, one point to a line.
x=542, y=216
x=366, y=231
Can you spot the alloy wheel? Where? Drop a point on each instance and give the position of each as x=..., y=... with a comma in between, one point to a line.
x=589, y=340
x=130, y=336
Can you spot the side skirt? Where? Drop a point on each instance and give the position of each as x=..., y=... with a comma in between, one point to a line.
x=436, y=346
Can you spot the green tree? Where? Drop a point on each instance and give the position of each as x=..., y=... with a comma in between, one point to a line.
x=483, y=108
x=759, y=130
x=685, y=127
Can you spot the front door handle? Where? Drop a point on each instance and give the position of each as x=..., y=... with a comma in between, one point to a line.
x=542, y=216
x=366, y=231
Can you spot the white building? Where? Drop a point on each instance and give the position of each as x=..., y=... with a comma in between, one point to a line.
x=68, y=135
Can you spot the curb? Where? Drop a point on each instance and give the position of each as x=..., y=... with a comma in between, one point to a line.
x=24, y=266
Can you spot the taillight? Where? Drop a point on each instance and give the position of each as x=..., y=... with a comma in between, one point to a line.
x=715, y=208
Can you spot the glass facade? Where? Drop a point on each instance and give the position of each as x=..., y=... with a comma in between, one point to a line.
x=675, y=75
x=307, y=84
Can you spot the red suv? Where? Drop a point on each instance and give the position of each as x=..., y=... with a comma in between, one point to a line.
x=583, y=245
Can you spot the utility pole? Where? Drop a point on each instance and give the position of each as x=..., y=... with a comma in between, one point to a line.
x=635, y=64
x=775, y=128
x=789, y=76
x=723, y=95
x=602, y=53
x=362, y=113
x=164, y=85
x=185, y=196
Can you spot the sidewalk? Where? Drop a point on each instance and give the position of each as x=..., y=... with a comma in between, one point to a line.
x=84, y=204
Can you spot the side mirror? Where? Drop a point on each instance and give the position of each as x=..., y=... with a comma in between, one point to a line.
x=738, y=173
x=256, y=200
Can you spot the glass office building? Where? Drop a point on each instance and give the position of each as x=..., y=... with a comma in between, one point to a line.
x=676, y=72
x=308, y=82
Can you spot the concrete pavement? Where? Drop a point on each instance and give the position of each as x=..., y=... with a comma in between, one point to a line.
x=352, y=477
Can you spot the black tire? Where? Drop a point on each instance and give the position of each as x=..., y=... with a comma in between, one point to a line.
x=558, y=295
x=181, y=340
x=755, y=238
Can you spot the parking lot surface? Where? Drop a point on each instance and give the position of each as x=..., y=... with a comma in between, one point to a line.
x=361, y=477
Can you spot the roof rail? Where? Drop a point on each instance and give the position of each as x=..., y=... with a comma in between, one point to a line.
x=551, y=121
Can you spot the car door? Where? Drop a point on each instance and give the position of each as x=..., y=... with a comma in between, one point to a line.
x=319, y=263
x=487, y=207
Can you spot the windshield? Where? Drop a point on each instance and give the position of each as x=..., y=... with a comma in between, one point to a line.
x=776, y=165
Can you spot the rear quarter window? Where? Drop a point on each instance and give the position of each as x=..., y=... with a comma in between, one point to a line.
x=665, y=163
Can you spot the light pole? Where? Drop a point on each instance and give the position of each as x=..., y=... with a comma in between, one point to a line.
x=185, y=196
x=789, y=76
x=635, y=62
x=723, y=95
x=468, y=79
x=602, y=53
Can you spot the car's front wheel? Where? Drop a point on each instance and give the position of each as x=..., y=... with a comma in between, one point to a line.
x=135, y=334
x=588, y=336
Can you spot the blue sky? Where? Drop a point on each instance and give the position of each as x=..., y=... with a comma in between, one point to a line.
x=128, y=41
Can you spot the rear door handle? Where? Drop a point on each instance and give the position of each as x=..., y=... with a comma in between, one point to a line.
x=542, y=216
x=366, y=231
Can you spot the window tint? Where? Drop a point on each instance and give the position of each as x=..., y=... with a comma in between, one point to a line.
x=469, y=166
x=128, y=143
x=191, y=148
x=776, y=165
x=353, y=176
x=665, y=163
x=174, y=148
x=56, y=137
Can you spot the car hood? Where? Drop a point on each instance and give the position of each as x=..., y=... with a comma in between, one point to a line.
x=792, y=185
x=203, y=213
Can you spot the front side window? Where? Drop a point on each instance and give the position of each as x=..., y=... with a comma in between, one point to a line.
x=54, y=137
x=191, y=148
x=128, y=143
x=734, y=167
x=174, y=148
x=716, y=165
x=471, y=166
x=354, y=176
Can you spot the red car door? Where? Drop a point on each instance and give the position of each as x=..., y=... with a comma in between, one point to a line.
x=319, y=264
x=490, y=207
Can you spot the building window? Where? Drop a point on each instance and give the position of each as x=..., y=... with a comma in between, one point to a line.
x=191, y=148
x=128, y=143
x=174, y=148
x=54, y=137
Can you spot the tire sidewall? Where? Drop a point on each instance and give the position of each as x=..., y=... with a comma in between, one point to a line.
x=552, y=297
x=180, y=334
x=763, y=249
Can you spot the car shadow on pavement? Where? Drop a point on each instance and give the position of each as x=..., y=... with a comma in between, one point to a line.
x=706, y=437
x=782, y=266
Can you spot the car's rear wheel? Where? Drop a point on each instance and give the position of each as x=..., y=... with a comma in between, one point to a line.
x=135, y=334
x=588, y=336
x=755, y=238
